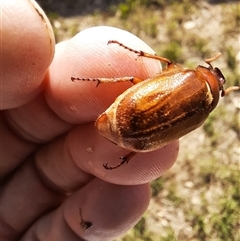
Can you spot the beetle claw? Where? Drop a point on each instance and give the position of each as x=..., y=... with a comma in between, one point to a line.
x=125, y=160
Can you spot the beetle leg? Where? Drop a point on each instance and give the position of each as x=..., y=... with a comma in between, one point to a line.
x=141, y=53
x=73, y=78
x=125, y=160
x=84, y=224
x=133, y=80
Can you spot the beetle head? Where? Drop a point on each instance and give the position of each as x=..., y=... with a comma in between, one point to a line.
x=220, y=78
x=215, y=80
x=217, y=72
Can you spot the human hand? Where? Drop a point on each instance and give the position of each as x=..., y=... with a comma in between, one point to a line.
x=52, y=156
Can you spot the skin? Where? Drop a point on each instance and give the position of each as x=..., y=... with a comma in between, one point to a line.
x=52, y=156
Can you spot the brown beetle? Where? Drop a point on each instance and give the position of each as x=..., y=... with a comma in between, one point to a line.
x=160, y=109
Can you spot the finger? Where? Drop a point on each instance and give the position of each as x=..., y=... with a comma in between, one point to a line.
x=10, y=159
x=110, y=209
x=89, y=55
x=83, y=150
x=90, y=154
x=23, y=198
x=27, y=50
x=25, y=128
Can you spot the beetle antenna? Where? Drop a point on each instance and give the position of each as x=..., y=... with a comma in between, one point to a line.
x=125, y=160
x=208, y=61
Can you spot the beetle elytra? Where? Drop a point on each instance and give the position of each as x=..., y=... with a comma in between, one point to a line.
x=160, y=109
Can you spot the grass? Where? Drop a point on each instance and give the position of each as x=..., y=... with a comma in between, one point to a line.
x=198, y=199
